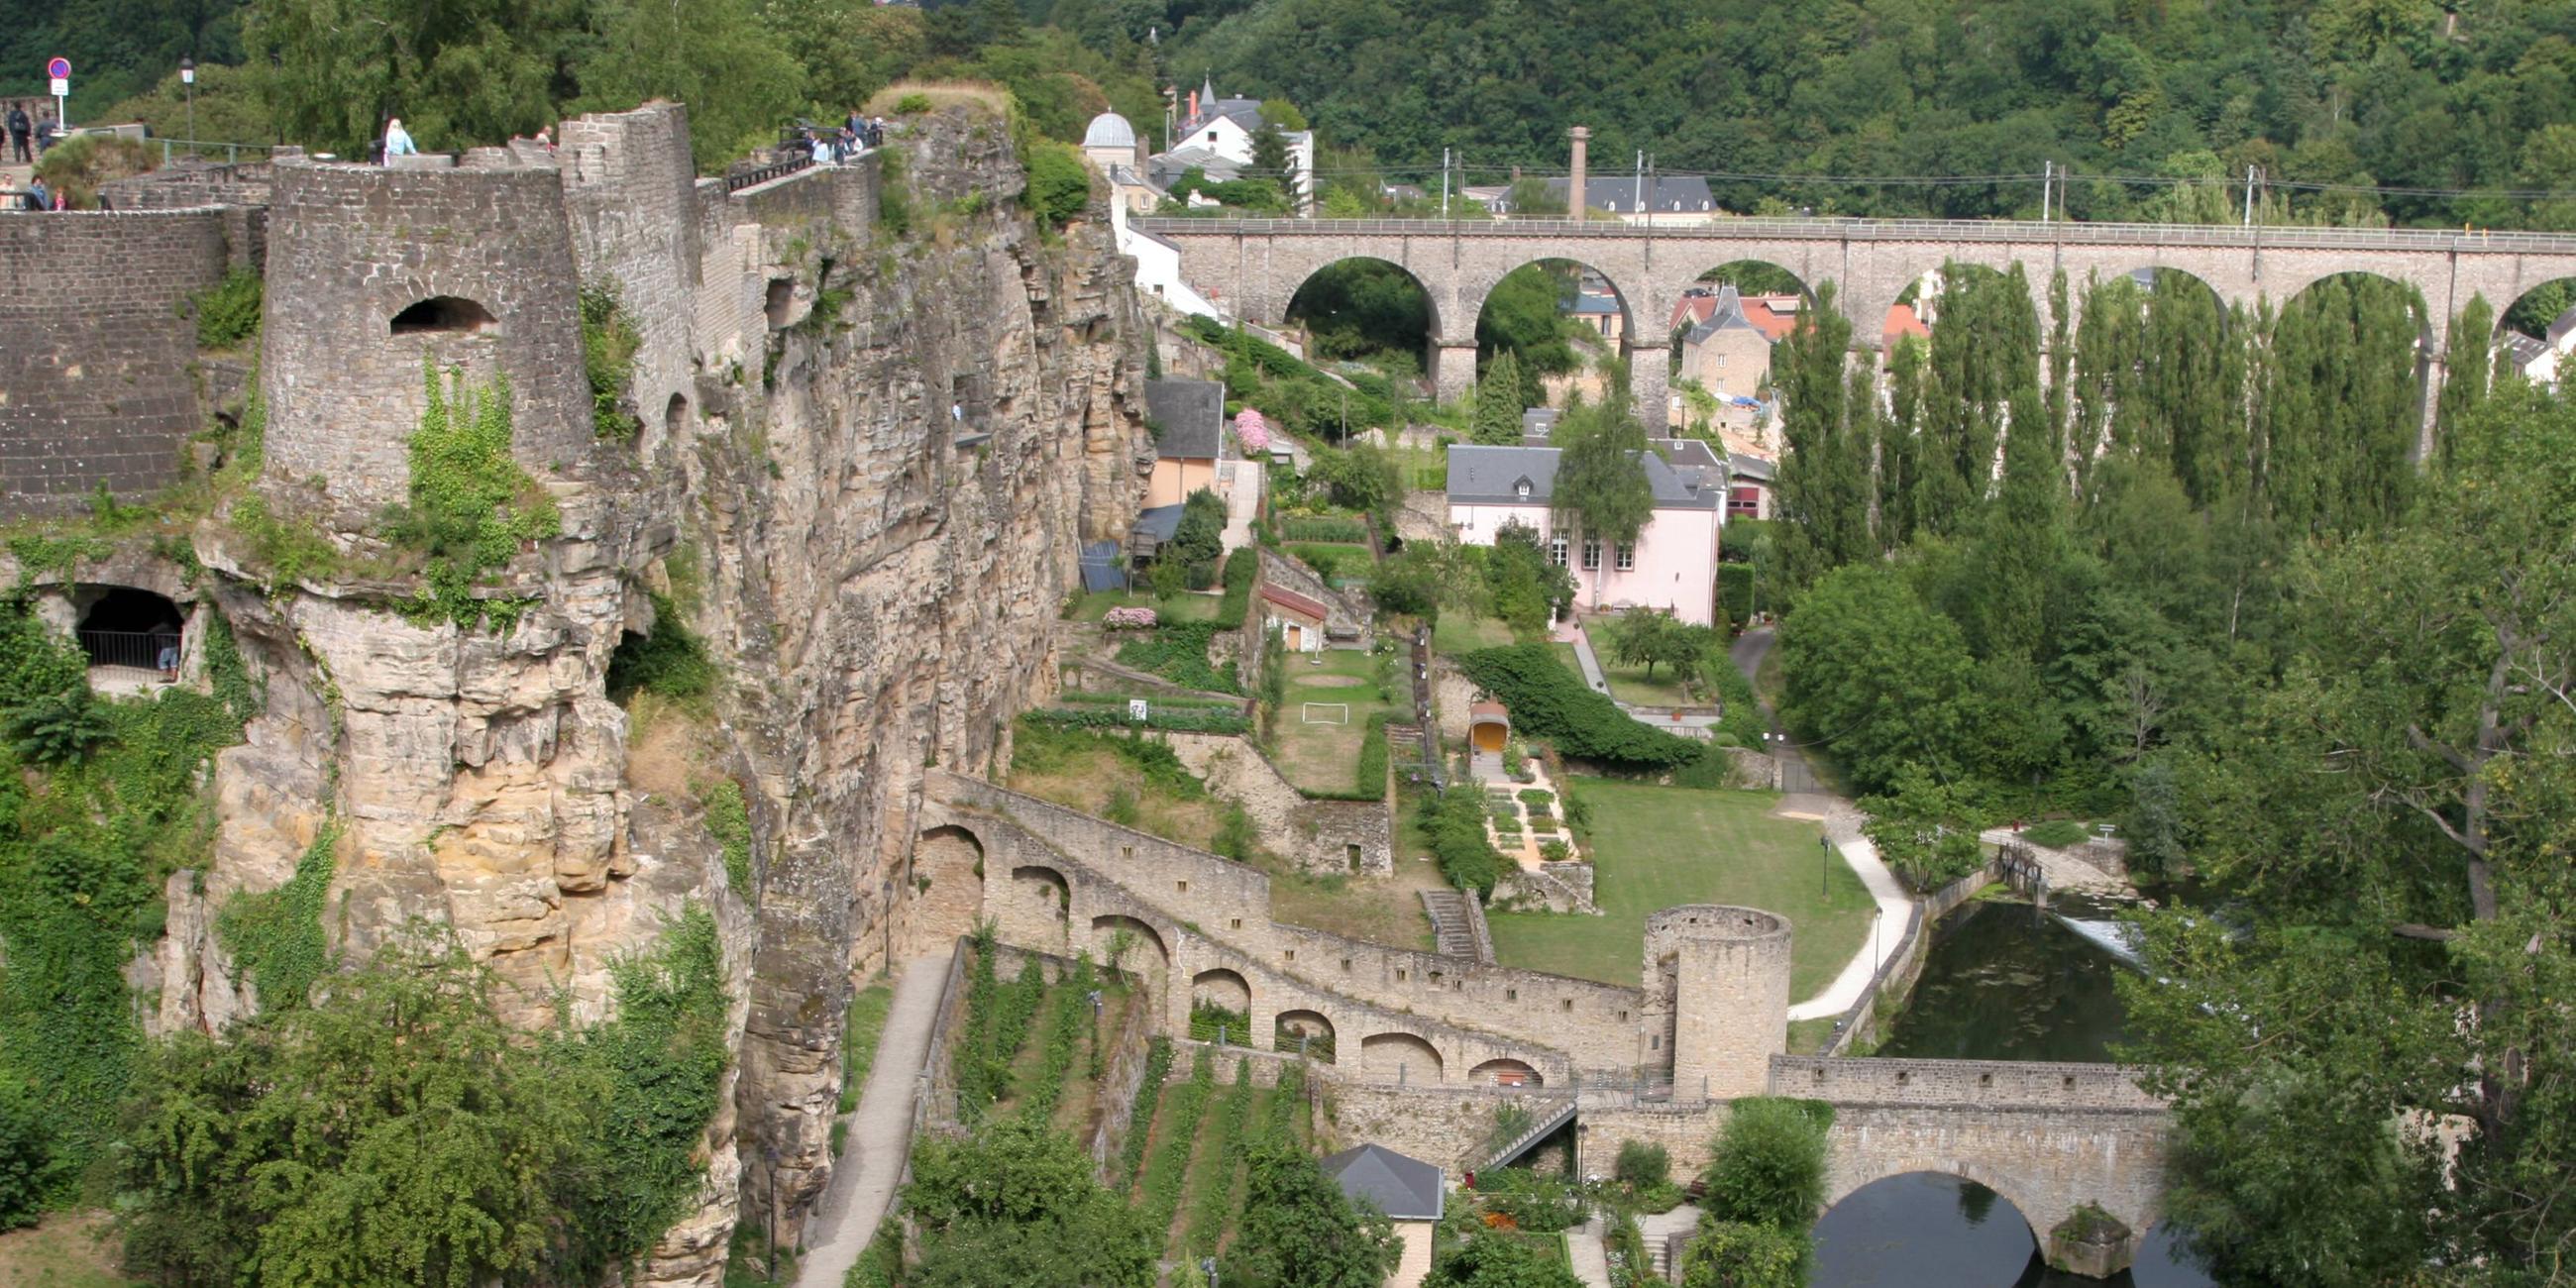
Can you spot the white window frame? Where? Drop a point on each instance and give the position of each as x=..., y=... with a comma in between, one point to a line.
x=1592, y=554
x=1625, y=557
x=1556, y=549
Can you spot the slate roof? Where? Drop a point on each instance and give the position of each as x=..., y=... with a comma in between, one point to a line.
x=1751, y=467
x=1159, y=523
x=1538, y=420
x=1619, y=193
x=2522, y=349
x=1726, y=314
x=1493, y=475
x=1406, y=1189
x=1192, y=416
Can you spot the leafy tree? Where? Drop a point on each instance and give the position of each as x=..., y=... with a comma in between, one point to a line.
x=1360, y=477
x=1828, y=430
x=714, y=55
x=1059, y=184
x=1270, y=157
x=458, y=74
x=1199, y=539
x=1876, y=676
x=1736, y=1254
x=25, y=1156
x=1363, y=308
x=396, y=1135
x=1017, y=1204
x=1299, y=1231
x=1767, y=1166
x=1923, y=830
x=2468, y=362
x=1524, y=314
x=1601, y=490
x=1526, y=587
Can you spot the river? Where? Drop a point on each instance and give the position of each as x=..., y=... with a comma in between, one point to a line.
x=2001, y=983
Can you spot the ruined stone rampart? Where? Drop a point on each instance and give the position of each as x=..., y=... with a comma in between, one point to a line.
x=95, y=363
x=1320, y=836
x=1982, y=1083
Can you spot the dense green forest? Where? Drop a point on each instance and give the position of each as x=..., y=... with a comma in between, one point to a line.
x=2153, y=105
x=2180, y=570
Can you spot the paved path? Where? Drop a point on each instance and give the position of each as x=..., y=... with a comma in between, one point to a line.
x=1591, y=667
x=1841, y=822
x=1590, y=1261
x=880, y=1131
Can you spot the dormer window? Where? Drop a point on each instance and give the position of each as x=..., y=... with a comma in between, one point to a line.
x=1521, y=489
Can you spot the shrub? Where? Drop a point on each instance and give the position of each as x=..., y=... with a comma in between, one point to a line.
x=1059, y=184
x=60, y=728
x=1735, y=1254
x=1241, y=568
x=1548, y=701
x=276, y=936
x=228, y=312
x=1768, y=1165
x=1643, y=1163
x=894, y=196
x=24, y=1151
x=2057, y=833
x=1555, y=851
x=912, y=105
x=1455, y=822
x=608, y=345
x=471, y=504
x=1535, y=1201
x=671, y=661
x=1158, y=715
x=729, y=821
x=1129, y=619
x=1537, y=797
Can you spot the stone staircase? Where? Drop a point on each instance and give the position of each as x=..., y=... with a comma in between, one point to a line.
x=1550, y=1116
x=1458, y=926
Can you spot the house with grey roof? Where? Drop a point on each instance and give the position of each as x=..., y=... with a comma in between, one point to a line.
x=1188, y=420
x=1411, y=1193
x=1672, y=564
x=1629, y=196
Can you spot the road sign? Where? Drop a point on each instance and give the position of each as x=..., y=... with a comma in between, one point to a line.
x=59, y=69
x=62, y=87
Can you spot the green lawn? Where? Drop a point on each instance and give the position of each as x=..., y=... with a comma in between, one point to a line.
x=1094, y=605
x=1630, y=684
x=1457, y=633
x=1323, y=757
x=1660, y=846
x=1565, y=655
x=1336, y=561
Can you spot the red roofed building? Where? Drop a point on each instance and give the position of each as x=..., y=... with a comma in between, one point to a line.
x=1902, y=322
x=1298, y=619
x=1773, y=315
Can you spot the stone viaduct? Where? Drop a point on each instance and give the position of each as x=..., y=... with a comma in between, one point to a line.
x=1253, y=267
x=1425, y=1044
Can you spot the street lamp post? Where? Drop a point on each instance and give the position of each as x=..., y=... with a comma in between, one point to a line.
x=188, y=79
x=1825, y=867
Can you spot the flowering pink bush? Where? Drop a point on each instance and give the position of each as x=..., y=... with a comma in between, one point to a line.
x=1252, y=431
x=1129, y=619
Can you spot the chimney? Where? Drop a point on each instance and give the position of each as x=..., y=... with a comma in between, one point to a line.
x=1574, y=187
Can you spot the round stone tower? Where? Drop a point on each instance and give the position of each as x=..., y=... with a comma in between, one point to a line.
x=375, y=272
x=1717, y=985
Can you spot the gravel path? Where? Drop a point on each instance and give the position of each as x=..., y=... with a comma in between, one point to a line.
x=863, y=1183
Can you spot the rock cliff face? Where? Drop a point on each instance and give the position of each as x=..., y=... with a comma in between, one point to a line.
x=866, y=463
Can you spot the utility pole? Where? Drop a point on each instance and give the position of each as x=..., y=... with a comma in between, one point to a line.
x=1444, y=183
x=2249, y=196
x=2047, y=175
x=1640, y=202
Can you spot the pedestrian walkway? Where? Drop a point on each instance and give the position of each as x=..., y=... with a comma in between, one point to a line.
x=1585, y=1255
x=880, y=1133
x=1895, y=909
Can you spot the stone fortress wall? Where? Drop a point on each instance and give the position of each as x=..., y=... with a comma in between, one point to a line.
x=95, y=352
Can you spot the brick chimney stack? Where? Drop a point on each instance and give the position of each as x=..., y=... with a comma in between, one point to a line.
x=1574, y=188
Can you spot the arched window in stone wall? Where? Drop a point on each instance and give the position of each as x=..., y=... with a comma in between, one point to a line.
x=1504, y=1073
x=1400, y=1057
x=442, y=314
x=1310, y=1032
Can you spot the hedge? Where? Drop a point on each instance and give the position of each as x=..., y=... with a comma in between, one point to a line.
x=1177, y=719
x=1548, y=701
x=1104, y=698
x=1241, y=568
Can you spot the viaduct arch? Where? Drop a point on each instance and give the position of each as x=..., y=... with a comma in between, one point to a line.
x=1252, y=267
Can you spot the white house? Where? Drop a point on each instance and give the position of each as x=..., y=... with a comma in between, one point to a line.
x=1110, y=144
x=1673, y=562
x=1411, y=1193
x=2538, y=358
x=1216, y=131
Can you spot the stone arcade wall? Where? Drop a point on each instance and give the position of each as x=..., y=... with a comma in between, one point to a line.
x=95, y=354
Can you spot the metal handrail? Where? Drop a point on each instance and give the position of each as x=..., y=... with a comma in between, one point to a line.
x=1754, y=227
x=199, y=147
x=760, y=174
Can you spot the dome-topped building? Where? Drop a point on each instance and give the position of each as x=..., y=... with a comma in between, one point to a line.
x=1109, y=140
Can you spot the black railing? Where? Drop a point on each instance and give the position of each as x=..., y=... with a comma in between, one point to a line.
x=760, y=174
x=143, y=649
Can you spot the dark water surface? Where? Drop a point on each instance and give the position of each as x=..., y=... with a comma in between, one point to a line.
x=2001, y=983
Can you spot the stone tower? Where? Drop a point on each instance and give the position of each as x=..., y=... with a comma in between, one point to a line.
x=376, y=271
x=1717, y=996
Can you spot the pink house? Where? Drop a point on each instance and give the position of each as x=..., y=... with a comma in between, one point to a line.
x=1673, y=562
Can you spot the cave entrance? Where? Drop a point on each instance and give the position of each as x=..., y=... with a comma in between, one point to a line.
x=126, y=629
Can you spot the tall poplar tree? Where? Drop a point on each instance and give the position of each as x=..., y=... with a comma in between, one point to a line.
x=1828, y=431
x=2467, y=366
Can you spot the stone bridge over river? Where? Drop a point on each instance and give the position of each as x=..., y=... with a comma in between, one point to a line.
x=1421, y=1047
x=1253, y=267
